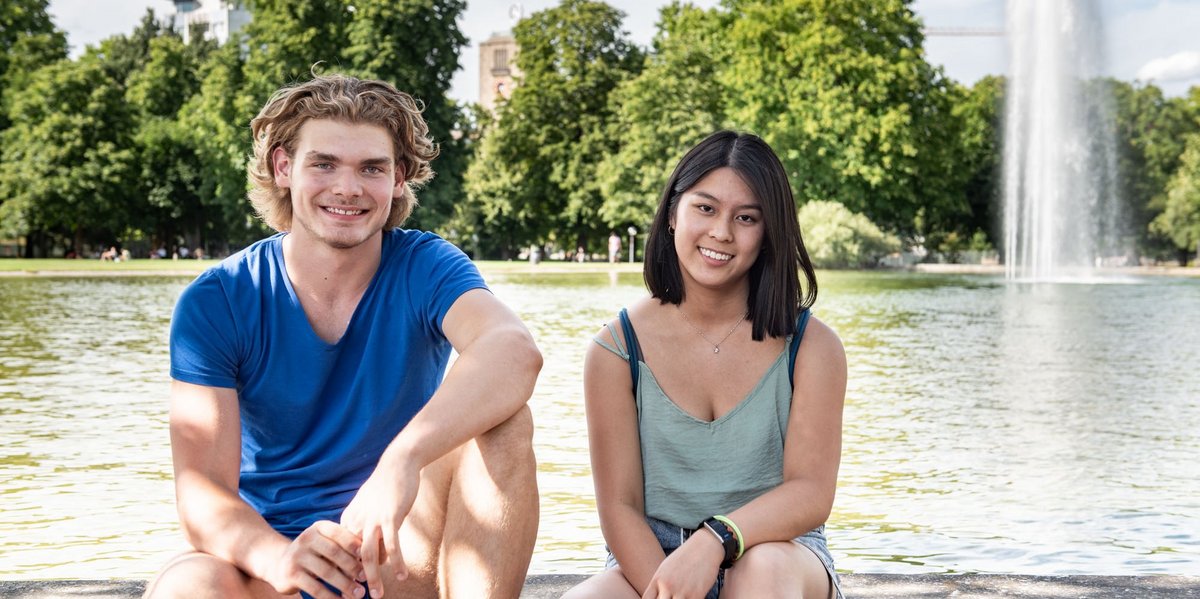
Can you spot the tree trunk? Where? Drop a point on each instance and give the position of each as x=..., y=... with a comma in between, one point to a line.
x=78, y=241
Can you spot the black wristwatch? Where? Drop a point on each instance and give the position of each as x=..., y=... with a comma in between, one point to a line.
x=725, y=535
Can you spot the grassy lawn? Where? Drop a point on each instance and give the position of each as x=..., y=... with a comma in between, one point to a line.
x=176, y=267
x=521, y=266
x=41, y=265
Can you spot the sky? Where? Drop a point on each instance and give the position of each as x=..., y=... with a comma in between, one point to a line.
x=1146, y=40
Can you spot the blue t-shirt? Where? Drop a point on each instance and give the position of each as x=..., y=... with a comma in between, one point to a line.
x=316, y=417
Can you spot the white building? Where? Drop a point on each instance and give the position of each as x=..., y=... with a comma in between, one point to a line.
x=219, y=18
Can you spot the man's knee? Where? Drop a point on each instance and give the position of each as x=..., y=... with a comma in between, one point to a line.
x=506, y=452
x=199, y=575
x=512, y=435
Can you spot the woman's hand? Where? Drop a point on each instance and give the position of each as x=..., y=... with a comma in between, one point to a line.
x=690, y=571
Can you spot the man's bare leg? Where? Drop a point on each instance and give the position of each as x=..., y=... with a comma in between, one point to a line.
x=492, y=514
x=470, y=533
x=196, y=575
x=472, y=530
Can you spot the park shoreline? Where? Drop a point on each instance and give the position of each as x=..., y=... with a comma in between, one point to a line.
x=998, y=270
x=491, y=267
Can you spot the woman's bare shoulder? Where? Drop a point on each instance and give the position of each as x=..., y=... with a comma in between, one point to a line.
x=821, y=344
x=644, y=308
x=612, y=328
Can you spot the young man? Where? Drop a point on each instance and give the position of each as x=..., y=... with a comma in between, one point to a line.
x=316, y=445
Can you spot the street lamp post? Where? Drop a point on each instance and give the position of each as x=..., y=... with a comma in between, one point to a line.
x=632, y=242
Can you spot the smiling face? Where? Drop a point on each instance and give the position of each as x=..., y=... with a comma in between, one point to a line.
x=718, y=231
x=342, y=178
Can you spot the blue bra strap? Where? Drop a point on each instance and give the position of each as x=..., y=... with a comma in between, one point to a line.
x=634, y=350
x=801, y=323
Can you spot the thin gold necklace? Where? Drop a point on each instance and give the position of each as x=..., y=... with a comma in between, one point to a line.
x=717, y=345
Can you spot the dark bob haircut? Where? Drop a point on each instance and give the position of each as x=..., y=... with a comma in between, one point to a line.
x=776, y=297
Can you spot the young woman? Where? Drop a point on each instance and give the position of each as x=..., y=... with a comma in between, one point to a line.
x=715, y=447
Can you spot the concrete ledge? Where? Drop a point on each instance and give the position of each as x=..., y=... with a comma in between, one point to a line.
x=921, y=586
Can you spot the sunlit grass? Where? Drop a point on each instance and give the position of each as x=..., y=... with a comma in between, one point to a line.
x=61, y=265
x=39, y=265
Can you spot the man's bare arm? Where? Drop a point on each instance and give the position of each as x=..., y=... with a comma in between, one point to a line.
x=206, y=447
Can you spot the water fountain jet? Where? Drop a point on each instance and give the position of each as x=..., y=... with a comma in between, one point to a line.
x=1061, y=215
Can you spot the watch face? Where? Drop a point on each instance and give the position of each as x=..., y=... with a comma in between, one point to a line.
x=719, y=527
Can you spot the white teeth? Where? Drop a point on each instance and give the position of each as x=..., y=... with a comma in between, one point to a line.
x=714, y=255
x=343, y=211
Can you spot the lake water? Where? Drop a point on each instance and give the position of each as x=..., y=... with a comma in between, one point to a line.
x=989, y=427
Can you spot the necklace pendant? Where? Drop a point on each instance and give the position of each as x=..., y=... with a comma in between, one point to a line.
x=716, y=350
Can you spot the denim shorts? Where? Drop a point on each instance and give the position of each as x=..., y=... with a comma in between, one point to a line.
x=671, y=537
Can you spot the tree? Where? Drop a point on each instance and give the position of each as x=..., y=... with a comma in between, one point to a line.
x=125, y=54
x=838, y=238
x=28, y=41
x=979, y=157
x=1151, y=134
x=220, y=134
x=167, y=78
x=1180, y=218
x=673, y=104
x=170, y=166
x=535, y=179
x=415, y=45
x=286, y=39
x=842, y=90
x=67, y=160
x=493, y=221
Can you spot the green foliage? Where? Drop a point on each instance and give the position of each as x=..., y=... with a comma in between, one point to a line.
x=979, y=110
x=1180, y=218
x=673, y=104
x=492, y=222
x=169, y=179
x=28, y=41
x=220, y=136
x=155, y=134
x=980, y=243
x=415, y=44
x=147, y=137
x=166, y=81
x=842, y=90
x=1151, y=133
x=952, y=244
x=286, y=39
x=838, y=238
x=534, y=180
x=170, y=164
x=125, y=54
x=67, y=160
x=1191, y=103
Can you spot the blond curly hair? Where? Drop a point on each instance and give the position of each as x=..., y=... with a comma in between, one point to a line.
x=338, y=98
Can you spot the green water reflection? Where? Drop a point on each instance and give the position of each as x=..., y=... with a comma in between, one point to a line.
x=1044, y=429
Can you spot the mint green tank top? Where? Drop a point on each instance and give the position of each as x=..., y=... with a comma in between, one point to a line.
x=693, y=469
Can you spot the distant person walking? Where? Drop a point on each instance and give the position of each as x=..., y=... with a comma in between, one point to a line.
x=614, y=247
